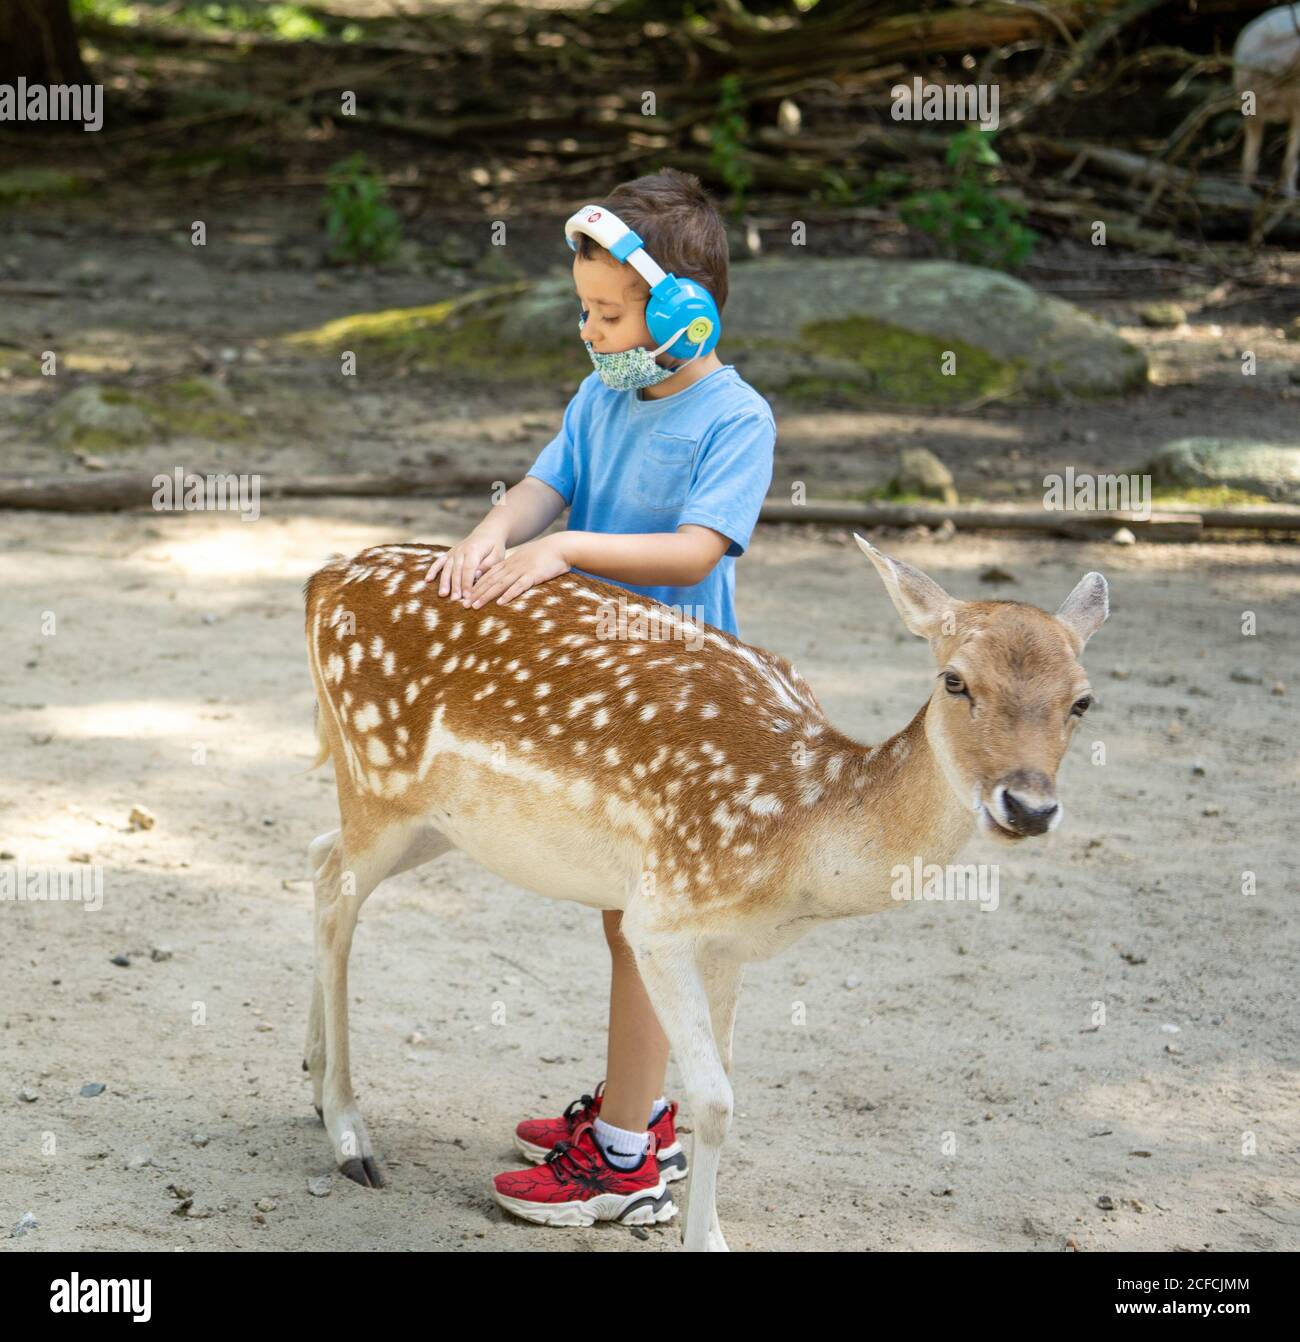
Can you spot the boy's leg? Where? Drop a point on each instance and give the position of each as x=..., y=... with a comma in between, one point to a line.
x=637, y=1061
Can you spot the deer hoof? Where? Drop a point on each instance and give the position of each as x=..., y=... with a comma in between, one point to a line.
x=364, y=1171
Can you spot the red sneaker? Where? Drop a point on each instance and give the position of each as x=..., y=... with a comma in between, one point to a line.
x=577, y=1186
x=536, y=1138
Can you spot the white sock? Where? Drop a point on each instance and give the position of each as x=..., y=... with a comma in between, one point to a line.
x=623, y=1149
x=656, y=1109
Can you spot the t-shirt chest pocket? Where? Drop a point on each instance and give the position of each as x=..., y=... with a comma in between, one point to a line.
x=663, y=478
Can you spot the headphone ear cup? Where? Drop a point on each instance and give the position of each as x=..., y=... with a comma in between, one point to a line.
x=675, y=304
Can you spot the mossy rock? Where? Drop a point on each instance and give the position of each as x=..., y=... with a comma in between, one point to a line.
x=477, y=336
x=1268, y=469
x=95, y=418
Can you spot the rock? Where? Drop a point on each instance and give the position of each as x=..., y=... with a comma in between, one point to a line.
x=94, y=416
x=858, y=331
x=28, y=1095
x=852, y=981
x=1198, y=769
x=321, y=1186
x=1123, y=537
x=996, y=575
x=198, y=1213
x=266, y=1204
x=27, y=1222
x=92, y=1088
x=946, y=530
x=1278, y=688
x=122, y=961
x=1162, y=314
x=1210, y=810
x=1106, y=1202
x=921, y=472
x=180, y=1191
x=1119, y=673
x=159, y=953
x=140, y=818
x=1243, y=675
x=1270, y=469
x=199, y=1139
x=137, y=1161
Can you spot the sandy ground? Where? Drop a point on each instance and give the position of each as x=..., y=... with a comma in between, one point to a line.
x=946, y=1090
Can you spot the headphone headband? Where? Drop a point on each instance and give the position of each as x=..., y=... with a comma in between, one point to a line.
x=606, y=228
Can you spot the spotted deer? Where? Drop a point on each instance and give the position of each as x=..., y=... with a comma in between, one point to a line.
x=1266, y=61
x=588, y=744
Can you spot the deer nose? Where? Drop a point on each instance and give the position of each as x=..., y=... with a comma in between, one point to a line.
x=1026, y=805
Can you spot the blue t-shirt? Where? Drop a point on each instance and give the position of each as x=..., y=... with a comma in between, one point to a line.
x=628, y=466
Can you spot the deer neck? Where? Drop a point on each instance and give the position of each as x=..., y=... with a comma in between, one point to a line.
x=890, y=805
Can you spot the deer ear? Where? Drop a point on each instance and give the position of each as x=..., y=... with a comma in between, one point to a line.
x=1084, y=611
x=926, y=609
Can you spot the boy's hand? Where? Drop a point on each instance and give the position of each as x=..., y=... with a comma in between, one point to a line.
x=524, y=567
x=461, y=565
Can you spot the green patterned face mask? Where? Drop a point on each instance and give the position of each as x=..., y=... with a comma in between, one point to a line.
x=632, y=368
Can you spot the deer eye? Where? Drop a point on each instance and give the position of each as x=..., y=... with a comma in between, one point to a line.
x=953, y=683
x=1081, y=706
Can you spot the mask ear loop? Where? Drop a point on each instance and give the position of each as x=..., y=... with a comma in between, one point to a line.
x=699, y=349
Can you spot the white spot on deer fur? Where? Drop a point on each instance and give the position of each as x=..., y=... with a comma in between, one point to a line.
x=449, y=665
x=900, y=749
x=393, y=708
x=456, y=628
x=487, y=624
x=355, y=653
x=413, y=606
x=430, y=618
x=809, y=792
x=377, y=751
x=725, y=821
x=411, y=691
x=612, y=755
x=390, y=661
x=403, y=734
x=542, y=690
x=522, y=674
x=484, y=692
x=367, y=717
x=334, y=668
x=600, y=717
x=709, y=711
x=376, y=647
x=833, y=767
x=418, y=586
x=647, y=712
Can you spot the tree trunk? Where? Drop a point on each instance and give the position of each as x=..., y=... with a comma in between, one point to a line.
x=39, y=42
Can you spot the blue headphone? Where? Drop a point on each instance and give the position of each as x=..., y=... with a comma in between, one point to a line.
x=680, y=308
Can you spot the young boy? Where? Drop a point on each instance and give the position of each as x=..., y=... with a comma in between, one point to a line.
x=663, y=464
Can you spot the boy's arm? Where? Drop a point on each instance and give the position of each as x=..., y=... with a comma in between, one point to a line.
x=660, y=559
x=527, y=509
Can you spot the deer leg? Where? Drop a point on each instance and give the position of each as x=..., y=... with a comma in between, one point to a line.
x=426, y=846
x=1291, y=159
x=671, y=973
x=343, y=881
x=1254, y=138
x=313, y=1060
x=722, y=977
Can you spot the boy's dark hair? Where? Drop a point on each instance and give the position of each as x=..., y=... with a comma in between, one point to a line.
x=679, y=224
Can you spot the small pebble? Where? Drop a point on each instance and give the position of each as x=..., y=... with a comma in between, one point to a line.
x=1106, y=1202
x=1211, y=809
x=200, y=1139
x=853, y=981
x=140, y=818
x=1278, y=688
x=27, y=1095
x=26, y=1222
x=1198, y=770
x=266, y=1204
x=92, y=1088
x=160, y=953
x=1123, y=537
x=1243, y=675
x=121, y=960
x=1119, y=673
x=321, y=1186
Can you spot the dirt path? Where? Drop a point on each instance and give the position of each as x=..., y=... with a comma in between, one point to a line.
x=175, y=633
